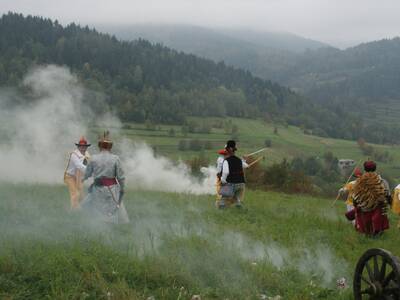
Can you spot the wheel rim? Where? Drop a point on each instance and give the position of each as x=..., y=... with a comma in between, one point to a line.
x=377, y=276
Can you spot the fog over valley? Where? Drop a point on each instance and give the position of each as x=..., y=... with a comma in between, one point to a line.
x=340, y=23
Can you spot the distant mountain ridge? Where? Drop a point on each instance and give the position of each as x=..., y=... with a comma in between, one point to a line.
x=142, y=81
x=262, y=53
x=357, y=79
x=182, y=37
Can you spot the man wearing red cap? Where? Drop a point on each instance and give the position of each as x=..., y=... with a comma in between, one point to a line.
x=370, y=198
x=232, y=178
x=74, y=171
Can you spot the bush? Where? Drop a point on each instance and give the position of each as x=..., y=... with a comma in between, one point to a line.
x=183, y=145
x=196, y=163
x=208, y=145
x=268, y=143
x=171, y=132
x=195, y=145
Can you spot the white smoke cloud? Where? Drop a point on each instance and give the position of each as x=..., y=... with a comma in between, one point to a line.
x=41, y=134
x=149, y=172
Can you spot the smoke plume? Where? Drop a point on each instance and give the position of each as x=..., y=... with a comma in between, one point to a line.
x=39, y=134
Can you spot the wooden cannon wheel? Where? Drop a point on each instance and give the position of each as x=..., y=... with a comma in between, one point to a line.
x=377, y=276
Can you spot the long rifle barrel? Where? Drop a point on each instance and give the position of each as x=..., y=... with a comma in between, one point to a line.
x=255, y=152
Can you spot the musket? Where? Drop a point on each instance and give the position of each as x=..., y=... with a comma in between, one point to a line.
x=255, y=152
x=348, y=179
x=256, y=161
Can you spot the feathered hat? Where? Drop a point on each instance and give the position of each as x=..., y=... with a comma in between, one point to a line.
x=105, y=141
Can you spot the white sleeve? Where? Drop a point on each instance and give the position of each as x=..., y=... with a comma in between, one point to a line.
x=225, y=171
x=245, y=165
x=77, y=163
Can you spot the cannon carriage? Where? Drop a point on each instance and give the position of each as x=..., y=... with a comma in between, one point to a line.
x=377, y=276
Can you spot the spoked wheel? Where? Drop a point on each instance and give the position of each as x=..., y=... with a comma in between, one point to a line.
x=377, y=276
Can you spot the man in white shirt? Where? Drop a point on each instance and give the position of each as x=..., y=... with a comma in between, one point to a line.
x=75, y=170
x=223, y=154
x=233, y=175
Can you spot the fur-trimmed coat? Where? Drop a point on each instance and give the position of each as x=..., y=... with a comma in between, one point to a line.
x=370, y=191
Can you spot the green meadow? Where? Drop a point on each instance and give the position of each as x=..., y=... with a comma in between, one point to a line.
x=286, y=142
x=180, y=245
x=177, y=246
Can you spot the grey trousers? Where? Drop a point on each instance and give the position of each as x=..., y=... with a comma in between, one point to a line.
x=238, y=194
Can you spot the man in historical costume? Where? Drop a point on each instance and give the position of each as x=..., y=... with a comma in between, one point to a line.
x=105, y=194
x=370, y=199
x=347, y=190
x=75, y=170
x=396, y=202
x=232, y=176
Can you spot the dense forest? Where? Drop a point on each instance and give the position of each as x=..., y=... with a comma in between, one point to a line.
x=150, y=82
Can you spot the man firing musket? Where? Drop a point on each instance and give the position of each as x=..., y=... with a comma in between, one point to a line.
x=105, y=194
x=232, y=176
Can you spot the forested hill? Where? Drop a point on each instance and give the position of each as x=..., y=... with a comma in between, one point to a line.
x=370, y=70
x=143, y=81
x=264, y=54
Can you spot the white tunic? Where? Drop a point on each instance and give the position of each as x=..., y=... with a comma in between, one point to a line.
x=75, y=163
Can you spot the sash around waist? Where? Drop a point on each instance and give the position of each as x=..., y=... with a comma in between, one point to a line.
x=104, y=181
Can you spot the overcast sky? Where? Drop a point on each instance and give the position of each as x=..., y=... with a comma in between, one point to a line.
x=338, y=22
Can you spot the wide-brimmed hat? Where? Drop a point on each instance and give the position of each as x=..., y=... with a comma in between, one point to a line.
x=82, y=142
x=231, y=144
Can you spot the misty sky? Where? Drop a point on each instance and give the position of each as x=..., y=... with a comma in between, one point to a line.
x=338, y=22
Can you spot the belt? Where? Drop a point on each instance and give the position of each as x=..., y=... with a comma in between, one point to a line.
x=104, y=181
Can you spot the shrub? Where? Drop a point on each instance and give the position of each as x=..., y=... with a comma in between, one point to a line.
x=183, y=145
x=268, y=143
x=195, y=145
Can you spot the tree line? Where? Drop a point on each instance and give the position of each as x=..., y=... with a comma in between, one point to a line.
x=149, y=82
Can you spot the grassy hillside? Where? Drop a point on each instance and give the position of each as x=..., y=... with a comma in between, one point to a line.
x=287, y=143
x=177, y=245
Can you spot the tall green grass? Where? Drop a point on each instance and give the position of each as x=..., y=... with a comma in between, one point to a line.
x=176, y=246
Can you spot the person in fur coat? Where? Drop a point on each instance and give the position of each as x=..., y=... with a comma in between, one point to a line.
x=370, y=199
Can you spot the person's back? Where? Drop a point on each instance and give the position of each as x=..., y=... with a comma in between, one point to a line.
x=236, y=174
x=370, y=198
x=232, y=176
x=104, y=164
x=105, y=194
